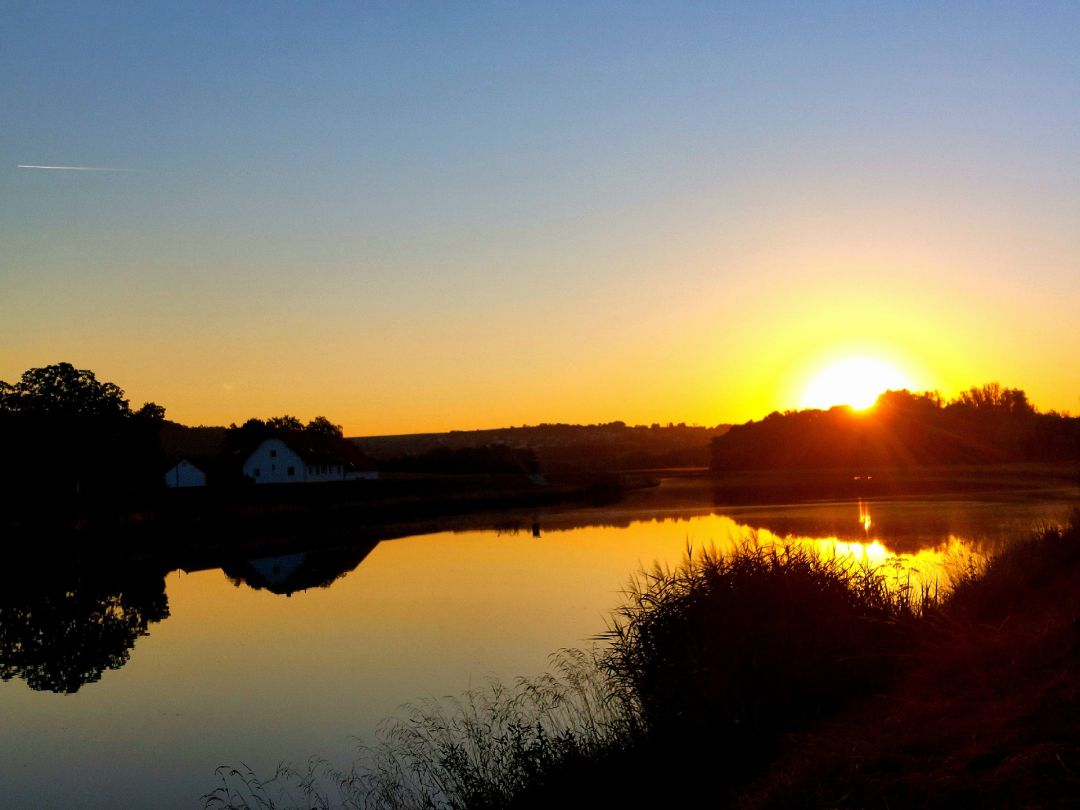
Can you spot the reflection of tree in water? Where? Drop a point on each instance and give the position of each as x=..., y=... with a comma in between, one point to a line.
x=60, y=633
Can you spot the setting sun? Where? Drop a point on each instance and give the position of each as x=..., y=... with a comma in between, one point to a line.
x=854, y=381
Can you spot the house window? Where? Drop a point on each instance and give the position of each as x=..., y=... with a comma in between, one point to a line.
x=291, y=471
x=273, y=454
x=256, y=472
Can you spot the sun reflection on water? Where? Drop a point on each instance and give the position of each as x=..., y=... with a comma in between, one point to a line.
x=933, y=568
x=864, y=515
x=928, y=568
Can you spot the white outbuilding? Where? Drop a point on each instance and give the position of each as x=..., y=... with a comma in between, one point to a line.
x=184, y=474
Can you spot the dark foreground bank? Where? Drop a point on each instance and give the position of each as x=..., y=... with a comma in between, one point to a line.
x=770, y=678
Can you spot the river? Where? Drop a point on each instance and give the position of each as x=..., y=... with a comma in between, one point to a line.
x=126, y=691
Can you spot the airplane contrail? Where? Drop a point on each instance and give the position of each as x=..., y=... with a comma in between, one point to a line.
x=71, y=168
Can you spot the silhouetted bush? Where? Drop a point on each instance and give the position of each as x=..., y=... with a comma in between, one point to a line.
x=727, y=651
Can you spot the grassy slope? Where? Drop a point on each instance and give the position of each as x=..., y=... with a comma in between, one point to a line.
x=986, y=711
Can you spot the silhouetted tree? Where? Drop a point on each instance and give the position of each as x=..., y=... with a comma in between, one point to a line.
x=983, y=425
x=245, y=436
x=254, y=431
x=151, y=412
x=321, y=426
x=993, y=398
x=285, y=422
x=65, y=431
x=61, y=390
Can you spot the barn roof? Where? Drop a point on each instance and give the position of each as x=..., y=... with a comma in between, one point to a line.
x=314, y=449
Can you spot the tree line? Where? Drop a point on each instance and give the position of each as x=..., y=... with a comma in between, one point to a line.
x=985, y=424
x=66, y=432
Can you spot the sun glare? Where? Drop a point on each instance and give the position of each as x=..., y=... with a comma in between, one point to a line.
x=854, y=381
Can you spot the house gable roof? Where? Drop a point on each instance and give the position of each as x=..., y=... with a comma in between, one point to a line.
x=315, y=450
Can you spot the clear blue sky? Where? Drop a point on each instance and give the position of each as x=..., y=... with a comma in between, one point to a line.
x=423, y=216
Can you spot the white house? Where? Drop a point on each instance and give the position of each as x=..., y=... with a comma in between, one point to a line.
x=303, y=460
x=185, y=474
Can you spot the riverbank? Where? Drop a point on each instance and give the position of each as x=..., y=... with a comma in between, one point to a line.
x=775, y=679
x=201, y=527
x=984, y=712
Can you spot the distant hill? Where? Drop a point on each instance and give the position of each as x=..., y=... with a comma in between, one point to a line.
x=983, y=426
x=557, y=447
x=568, y=448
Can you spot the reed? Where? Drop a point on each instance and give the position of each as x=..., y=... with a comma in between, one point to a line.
x=498, y=747
x=729, y=651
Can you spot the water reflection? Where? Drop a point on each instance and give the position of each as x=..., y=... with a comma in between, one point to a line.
x=913, y=542
x=901, y=526
x=288, y=573
x=238, y=672
x=864, y=516
x=66, y=629
x=62, y=629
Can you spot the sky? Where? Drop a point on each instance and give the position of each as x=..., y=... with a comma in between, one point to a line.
x=415, y=217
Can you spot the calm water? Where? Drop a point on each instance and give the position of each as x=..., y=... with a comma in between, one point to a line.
x=236, y=668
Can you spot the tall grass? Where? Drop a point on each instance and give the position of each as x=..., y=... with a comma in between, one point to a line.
x=986, y=712
x=1016, y=578
x=701, y=669
x=726, y=652
x=493, y=748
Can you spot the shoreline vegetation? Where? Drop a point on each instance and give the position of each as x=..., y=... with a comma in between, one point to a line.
x=769, y=677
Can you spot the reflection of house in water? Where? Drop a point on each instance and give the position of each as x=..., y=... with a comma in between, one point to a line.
x=288, y=573
x=274, y=572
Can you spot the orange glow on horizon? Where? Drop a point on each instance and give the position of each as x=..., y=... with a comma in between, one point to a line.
x=856, y=381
